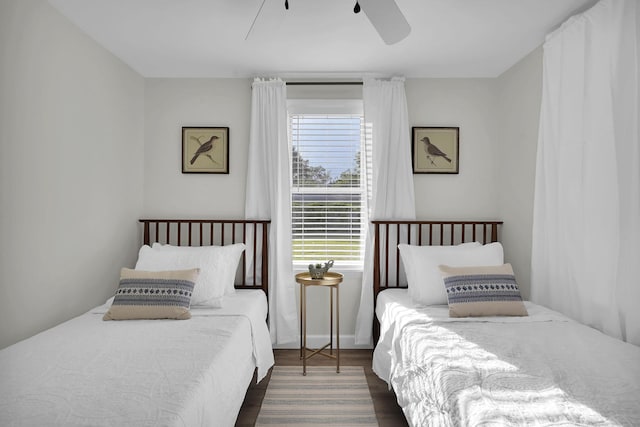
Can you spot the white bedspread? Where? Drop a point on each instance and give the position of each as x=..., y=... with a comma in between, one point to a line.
x=539, y=370
x=88, y=372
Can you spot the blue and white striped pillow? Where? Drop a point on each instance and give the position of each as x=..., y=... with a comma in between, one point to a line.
x=153, y=295
x=482, y=291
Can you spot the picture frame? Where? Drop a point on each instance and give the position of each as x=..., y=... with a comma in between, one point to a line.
x=435, y=150
x=213, y=158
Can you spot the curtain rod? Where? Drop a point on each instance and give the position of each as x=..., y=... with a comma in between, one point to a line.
x=323, y=83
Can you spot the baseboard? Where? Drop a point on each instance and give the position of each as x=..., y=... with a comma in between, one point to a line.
x=347, y=342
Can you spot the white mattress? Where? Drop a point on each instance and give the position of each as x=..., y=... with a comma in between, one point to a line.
x=88, y=372
x=544, y=369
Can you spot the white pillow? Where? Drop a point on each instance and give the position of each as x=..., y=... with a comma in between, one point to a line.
x=426, y=286
x=230, y=253
x=217, y=267
x=414, y=267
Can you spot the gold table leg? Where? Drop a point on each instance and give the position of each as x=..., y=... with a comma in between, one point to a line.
x=304, y=336
x=301, y=286
x=331, y=319
x=337, y=329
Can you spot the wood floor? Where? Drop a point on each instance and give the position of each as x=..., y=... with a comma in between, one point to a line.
x=387, y=410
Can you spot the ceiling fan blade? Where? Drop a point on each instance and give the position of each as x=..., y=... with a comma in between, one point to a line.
x=387, y=19
x=267, y=19
x=254, y=20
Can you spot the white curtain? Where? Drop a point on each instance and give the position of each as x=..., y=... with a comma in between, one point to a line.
x=268, y=196
x=586, y=231
x=391, y=195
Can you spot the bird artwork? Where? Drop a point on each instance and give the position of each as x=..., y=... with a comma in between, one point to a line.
x=204, y=149
x=433, y=151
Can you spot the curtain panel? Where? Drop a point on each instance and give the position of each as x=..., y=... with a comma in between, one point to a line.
x=268, y=197
x=586, y=230
x=391, y=194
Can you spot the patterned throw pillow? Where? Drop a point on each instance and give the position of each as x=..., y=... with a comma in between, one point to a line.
x=482, y=291
x=153, y=295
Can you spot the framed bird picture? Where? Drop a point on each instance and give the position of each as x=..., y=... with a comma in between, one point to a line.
x=435, y=149
x=205, y=150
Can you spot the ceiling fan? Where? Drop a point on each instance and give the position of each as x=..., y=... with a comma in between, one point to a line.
x=384, y=15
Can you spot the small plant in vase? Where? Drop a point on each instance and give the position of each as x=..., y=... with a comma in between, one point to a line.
x=317, y=271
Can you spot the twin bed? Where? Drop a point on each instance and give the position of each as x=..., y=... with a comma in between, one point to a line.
x=195, y=372
x=539, y=369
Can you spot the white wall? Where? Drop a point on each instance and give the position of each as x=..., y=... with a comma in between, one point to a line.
x=71, y=141
x=470, y=105
x=171, y=104
x=519, y=92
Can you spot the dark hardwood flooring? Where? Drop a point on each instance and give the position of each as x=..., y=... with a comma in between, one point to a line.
x=387, y=410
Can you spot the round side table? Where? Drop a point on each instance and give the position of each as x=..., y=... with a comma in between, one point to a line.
x=331, y=281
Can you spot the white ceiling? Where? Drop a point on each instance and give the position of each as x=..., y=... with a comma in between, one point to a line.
x=316, y=38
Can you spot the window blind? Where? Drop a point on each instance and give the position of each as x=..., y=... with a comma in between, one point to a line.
x=327, y=188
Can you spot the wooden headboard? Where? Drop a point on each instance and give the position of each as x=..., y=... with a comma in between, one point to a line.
x=388, y=272
x=253, y=270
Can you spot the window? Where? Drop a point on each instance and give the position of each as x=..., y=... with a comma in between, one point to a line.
x=328, y=196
